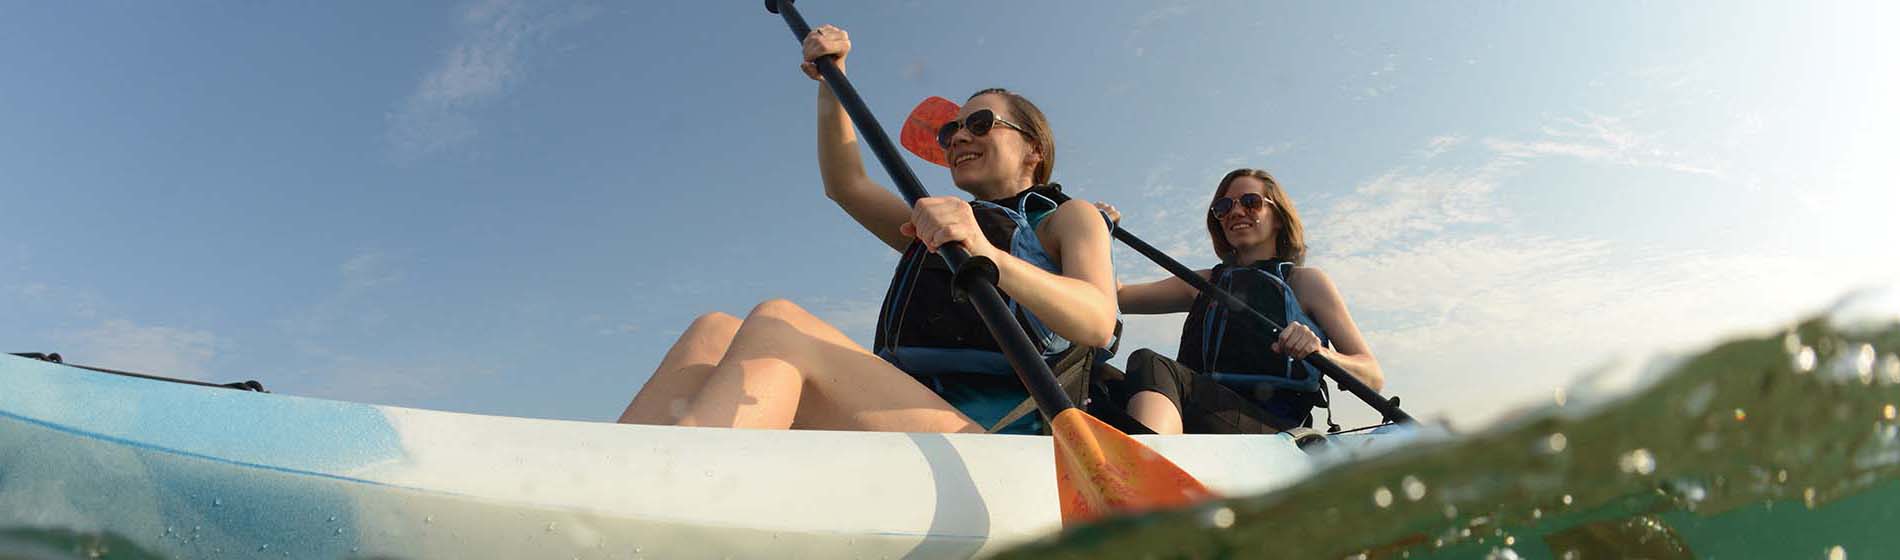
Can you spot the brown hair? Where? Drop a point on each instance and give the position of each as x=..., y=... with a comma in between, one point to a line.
x=1289, y=241
x=1026, y=114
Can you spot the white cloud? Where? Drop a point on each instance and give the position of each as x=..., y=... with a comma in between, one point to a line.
x=1439, y=145
x=368, y=270
x=1604, y=140
x=496, y=34
x=159, y=350
x=1404, y=204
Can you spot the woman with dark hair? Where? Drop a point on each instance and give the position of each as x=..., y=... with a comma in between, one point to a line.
x=934, y=368
x=1229, y=375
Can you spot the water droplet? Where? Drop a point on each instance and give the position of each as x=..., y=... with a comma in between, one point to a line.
x=1567, y=499
x=1781, y=475
x=1864, y=364
x=428, y=520
x=1791, y=342
x=1502, y=554
x=1804, y=360
x=1414, y=490
x=1698, y=399
x=550, y=528
x=1510, y=541
x=1556, y=443
x=339, y=530
x=1692, y=492
x=1559, y=396
x=266, y=546
x=1888, y=412
x=217, y=502
x=333, y=519
x=1537, y=513
x=168, y=529
x=1638, y=461
x=196, y=528
x=1740, y=415
x=1836, y=553
x=1220, y=518
x=1708, y=441
x=1807, y=497
x=1382, y=497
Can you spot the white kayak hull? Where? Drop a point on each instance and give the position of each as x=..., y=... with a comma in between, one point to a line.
x=189, y=471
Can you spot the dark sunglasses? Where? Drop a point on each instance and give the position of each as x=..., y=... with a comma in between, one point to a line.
x=979, y=124
x=1225, y=204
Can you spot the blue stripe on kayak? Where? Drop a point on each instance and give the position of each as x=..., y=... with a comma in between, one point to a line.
x=149, y=447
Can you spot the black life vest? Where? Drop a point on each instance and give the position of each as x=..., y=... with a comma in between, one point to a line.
x=921, y=330
x=1236, y=349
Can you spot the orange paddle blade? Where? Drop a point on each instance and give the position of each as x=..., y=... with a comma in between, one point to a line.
x=920, y=129
x=1101, y=472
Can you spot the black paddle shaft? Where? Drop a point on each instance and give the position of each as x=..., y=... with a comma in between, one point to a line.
x=1346, y=381
x=976, y=277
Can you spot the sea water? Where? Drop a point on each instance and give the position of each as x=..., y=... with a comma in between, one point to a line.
x=1782, y=445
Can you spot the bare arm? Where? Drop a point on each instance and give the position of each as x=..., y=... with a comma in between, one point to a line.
x=1167, y=295
x=1322, y=301
x=874, y=207
x=1078, y=304
x=839, y=162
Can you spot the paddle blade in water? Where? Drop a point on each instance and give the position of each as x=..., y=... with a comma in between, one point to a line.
x=1101, y=472
x=920, y=129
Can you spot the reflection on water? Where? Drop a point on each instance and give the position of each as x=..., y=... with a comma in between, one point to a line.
x=1781, y=446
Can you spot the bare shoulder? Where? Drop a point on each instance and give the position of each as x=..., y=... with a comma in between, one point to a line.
x=1312, y=284
x=1076, y=215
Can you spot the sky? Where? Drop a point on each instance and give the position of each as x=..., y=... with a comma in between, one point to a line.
x=511, y=207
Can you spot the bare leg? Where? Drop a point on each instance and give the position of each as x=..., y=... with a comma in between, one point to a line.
x=786, y=367
x=1155, y=411
x=683, y=372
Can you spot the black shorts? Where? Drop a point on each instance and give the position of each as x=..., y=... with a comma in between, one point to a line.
x=1208, y=407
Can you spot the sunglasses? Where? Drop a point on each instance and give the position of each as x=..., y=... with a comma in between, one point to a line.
x=979, y=123
x=1225, y=204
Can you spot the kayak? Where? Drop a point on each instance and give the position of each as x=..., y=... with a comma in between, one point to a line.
x=181, y=470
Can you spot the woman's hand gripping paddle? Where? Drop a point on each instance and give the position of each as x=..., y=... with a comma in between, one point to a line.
x=1099, y=470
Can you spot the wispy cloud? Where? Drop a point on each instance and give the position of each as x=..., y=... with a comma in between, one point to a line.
x=123, y=344
x=359, y=276
x=1605, y=140
x=1404, y=204
x=481, y=67
x=1439, y=145
x=1146, y=22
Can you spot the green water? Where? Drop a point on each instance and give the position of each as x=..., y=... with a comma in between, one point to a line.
x=1781, y=446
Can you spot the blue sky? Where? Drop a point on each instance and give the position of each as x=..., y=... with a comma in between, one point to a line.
x=513, y=207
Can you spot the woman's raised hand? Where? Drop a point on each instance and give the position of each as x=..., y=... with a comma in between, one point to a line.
x=825, y=40
x=1114, y=216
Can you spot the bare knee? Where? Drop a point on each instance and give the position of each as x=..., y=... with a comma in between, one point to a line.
x=782, y=309
x=714, y=324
